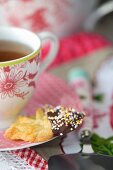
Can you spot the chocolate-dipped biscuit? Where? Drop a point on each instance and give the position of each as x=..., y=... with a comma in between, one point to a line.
x=47, y=123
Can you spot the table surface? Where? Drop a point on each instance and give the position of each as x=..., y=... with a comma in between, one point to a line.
x=89, y=62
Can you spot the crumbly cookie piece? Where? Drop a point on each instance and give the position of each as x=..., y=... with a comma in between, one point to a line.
x=30, y=130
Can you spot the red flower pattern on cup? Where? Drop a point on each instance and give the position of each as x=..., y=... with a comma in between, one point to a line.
x=10, y=84
x=13, y=80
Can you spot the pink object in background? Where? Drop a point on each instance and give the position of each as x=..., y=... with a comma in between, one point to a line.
x=77, y=46
x=59, y=16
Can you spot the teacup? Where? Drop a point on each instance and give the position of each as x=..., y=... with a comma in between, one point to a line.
x=19, y=69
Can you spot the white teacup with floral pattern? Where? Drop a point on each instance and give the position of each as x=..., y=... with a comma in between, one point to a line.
x=18, y=77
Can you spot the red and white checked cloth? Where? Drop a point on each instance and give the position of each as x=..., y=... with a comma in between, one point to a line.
x=32, y=158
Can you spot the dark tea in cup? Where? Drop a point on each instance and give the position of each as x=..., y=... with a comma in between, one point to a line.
x=10, y=50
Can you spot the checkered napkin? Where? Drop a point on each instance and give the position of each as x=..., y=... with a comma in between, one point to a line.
x=32, y=158
x=24, y=159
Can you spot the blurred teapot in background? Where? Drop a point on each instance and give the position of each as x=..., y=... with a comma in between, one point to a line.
x=62, y=17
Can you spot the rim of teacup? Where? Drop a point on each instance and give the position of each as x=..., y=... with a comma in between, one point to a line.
x=35, y=43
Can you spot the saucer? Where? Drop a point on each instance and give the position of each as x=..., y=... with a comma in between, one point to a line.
x=49, y=90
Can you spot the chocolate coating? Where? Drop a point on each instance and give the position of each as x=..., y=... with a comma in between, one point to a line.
x=63, y=119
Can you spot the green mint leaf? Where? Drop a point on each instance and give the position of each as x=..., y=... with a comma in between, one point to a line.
x=101, y=145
